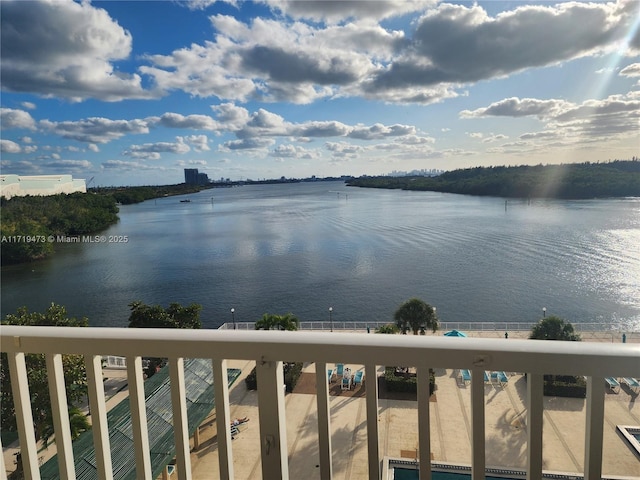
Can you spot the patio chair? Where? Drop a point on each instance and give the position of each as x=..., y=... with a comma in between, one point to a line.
x=340, y=369
x=502, y=378
x=613, y=384
x=632, y=383
x=357, y=378
x=465, y=376
x=331, y=373
x=346, y=383
x=487, y=377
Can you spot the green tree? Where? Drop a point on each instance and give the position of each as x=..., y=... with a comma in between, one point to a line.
x=388, y=328
x=78, y=422
x=417, y=316
x=553, y=328
x=74, y=372
x=270, y=321
x=156, y=316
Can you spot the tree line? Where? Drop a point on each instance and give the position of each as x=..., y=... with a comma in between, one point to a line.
x=130, y=195
x=619, y=178
x=29, y=225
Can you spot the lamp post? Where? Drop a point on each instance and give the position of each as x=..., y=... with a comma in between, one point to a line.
x=331, y=318
x=544, y=312
x=233, y=317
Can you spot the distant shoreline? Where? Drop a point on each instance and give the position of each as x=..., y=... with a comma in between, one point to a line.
x=620, y=178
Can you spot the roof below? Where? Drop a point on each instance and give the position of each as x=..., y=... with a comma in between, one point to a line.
x=157, y=390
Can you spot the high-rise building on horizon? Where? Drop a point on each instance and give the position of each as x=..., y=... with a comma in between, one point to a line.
x=193, y=177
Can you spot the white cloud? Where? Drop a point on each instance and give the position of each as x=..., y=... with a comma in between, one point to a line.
x=96, y=129
x=93, y=147
x=152, y=151
x=455, y=44
x=8, y=146
x=570, y=124
x=343, y=149
x=129, y=166
x=247, y=144
x=176, y=120
x=11, y=118
x=632, y=70
x=293, y=151
x=378, y=131
x=70, y=164
x=28, y=105
x=336, y=11
x=65, y=49
x=200, y=143
x=516, y=107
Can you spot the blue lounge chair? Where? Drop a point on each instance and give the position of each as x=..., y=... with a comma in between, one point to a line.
x=487, y=377
x=632, y=383
x=502, y=378
x=613, y=384
x=346, y=383
x=465, y=376
x=331, y=373
x=357, y=378
x=340, y=369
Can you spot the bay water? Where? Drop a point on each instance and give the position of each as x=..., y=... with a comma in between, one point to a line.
x=305, y=247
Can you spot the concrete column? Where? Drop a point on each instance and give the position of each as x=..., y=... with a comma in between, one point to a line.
x=273, y=431
x=594, y=428
x=324, y=421
x=535, y=409
x=477, y=425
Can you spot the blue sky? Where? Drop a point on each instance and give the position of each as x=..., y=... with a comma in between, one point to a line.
x=133, y=92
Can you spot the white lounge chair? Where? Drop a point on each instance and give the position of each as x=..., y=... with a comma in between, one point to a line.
x=357, y=378
x=502, y=378
x=632, y=383
x=465, y=376
x=613, y=384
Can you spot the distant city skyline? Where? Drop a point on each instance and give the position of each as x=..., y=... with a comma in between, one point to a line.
x=132, y=93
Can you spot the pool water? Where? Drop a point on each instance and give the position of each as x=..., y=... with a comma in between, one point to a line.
x=400, y=473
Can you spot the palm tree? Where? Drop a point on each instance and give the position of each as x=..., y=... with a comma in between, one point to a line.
x=271, y=321
x=78, y=423
x=416, y=315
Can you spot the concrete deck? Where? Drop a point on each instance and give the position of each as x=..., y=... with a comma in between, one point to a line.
x=505, y=423
x=506, y=435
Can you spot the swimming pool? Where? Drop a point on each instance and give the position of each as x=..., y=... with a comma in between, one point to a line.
x=632, y=434
x=401, y=469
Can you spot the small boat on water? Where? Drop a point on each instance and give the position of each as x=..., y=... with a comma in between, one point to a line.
x=185, y=201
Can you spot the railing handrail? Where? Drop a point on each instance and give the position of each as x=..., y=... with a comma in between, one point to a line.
x=531, y=356
x=443, y=326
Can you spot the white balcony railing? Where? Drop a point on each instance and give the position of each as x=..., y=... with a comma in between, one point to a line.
x=269, y=349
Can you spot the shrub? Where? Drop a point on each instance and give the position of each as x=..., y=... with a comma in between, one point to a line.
x=406, y=383
x=292, y=373
x=565, y=386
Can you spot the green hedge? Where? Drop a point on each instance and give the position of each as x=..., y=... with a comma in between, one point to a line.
x=292, y=373
x=565, y=386
x=397, y=383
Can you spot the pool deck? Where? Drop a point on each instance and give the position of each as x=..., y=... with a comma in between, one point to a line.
x=505, y=417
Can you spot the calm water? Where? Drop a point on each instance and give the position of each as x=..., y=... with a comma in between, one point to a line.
x=304, y=247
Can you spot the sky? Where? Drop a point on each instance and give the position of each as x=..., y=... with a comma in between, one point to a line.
x=133, y=92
